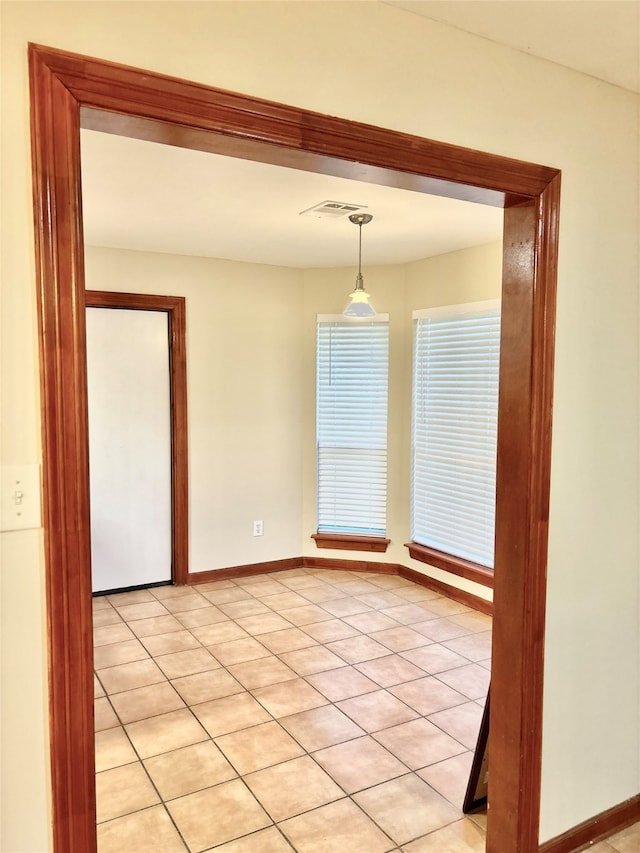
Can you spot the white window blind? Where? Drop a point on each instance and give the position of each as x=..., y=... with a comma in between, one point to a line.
x=455, y=416
x=351, y=419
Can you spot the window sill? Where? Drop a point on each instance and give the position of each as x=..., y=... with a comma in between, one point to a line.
x=449, y=563
x=348, y=542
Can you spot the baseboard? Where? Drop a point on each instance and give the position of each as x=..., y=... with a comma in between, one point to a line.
x=460, y=595
x=595, y=829
x=195, y=578
x=467, y=598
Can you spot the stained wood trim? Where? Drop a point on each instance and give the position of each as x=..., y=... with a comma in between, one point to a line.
x=459, y=595
x=350, y=565
x=55, y=150
x=595, y=829
x=342, y=542
x=449, y=563
x=66, y=88
x=247, y=570
x=175, y=308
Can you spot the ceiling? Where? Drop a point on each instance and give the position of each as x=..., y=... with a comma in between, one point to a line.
x=157, y=198
x=149, y=197
x=597, y=38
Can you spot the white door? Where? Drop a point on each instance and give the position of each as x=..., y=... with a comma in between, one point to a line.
x=129, y=447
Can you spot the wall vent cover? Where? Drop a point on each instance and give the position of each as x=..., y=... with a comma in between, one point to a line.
x=332, y=209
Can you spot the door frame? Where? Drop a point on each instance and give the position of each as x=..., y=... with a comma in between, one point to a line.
x=69, y=91
x=175, y=309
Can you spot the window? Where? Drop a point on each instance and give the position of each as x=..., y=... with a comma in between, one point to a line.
x=351, y=423
x=455, y=414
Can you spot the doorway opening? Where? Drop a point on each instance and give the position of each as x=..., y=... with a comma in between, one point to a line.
x=70, y=91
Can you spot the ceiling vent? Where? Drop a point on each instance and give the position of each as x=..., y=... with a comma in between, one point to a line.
x=332, y=209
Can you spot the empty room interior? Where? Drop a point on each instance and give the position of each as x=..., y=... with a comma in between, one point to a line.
x=286, y=370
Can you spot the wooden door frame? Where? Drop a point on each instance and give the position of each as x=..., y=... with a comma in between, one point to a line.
x=175, y=309
x=69, y=91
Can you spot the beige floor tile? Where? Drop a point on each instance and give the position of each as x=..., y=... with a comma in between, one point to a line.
x=311, y=660
x=264, y=623
x=309, y=614
x=246, y=607
x=417, y=593
x=440, y=630
x=265, y=588
x=287, y=640
x=258, y=747
x=189, y=662
x=626, y=841
x=461, y=722
x=165, y=644
x=205, y=686
x=339, y=827
x=284, y=601
x=359, y=763
x=407, y=614
x=400, y=639
x=293, y=787
x=165, y=732
x=123, y=790
x=379, y=601
x=473, y=620
x=104, y=715
x=127, y=676
x=463, y=836
x=134, y=596
x=192, y=768
x=264, y=841
x=218, y=632
x=260, y=673
x=390, y=670
x=446, y=607
x=342, y=683
x=132, y=612
x=148, y=831
x=97, y=688
x=377, y=710
x=106, y=616
x=301, y=582
x=321, y=727
x=419, y=743
x=100, y=602
x=117, y=653
x=321, y=593
x=450, y=777
x=252, y=580
x=358, y=586
x=330, y=630
x=236, y=814
x=428, y=695
x=475, y=647
x=230, y=714
x=358, y=649
x=435, y=658
x=203, y=616
x=471, y=680
x=224, y=595
x=185, y=603
x=170, y=591
x=406, y=808
x=602, y=847
x=346, y=606
x=289, y=697
x=113, y=749
x=370, y=621
x=155, y=625
x=111, y=634
x=394, y=582
x=239, y=651
x=144, y=702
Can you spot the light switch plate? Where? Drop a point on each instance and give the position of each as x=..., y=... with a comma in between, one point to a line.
x=21, y=498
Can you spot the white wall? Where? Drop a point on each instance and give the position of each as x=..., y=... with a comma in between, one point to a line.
x=497, y=100
x=243, y=396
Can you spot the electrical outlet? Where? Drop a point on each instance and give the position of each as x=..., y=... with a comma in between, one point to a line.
x=258, y=529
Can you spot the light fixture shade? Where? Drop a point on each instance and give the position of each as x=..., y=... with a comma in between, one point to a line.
x=359, y=306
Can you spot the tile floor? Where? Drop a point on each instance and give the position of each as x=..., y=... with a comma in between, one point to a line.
x=314, y=711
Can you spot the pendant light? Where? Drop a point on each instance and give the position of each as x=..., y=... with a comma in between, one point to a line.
x=359, y=306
